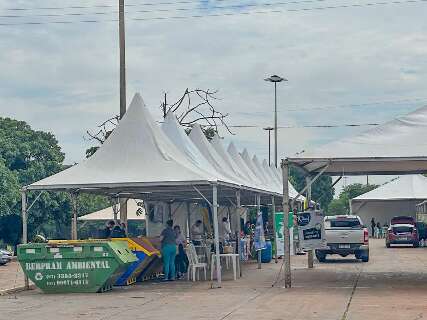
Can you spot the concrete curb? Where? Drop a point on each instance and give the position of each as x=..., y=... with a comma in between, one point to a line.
x=5, y=292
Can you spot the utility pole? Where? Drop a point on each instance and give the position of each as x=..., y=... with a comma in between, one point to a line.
x=269, y=129
x=122, y=47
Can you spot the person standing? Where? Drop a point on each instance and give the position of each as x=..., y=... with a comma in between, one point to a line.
x=106, y=232
x=224, y=231
x=117, y=231
x=373, y=225
x=181, y=260
x=379, y=231
x=197, y=232
x=168, y=240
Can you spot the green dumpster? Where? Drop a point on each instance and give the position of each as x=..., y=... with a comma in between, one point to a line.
x=75, y=266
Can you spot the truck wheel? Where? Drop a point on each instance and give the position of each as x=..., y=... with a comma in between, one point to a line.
x=365, y=256
x=321, y=257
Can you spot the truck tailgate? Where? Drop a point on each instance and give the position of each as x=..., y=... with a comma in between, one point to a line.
x=341, y=236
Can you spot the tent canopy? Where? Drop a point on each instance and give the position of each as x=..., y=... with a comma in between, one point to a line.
x=398, y=146
x=141, y=160
x=136, y=154
x=134, y=212
x=408, y=187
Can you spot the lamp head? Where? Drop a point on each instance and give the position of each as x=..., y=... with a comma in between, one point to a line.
x=275, y=78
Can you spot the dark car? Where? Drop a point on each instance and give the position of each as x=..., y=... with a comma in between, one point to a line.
x=402, y=230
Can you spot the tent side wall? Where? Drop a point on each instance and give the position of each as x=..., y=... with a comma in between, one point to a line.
x=383, y=211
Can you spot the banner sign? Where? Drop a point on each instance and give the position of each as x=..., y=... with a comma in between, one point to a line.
x=280, y=232
x=259, y=238
x=311, y=229
x=279, y=229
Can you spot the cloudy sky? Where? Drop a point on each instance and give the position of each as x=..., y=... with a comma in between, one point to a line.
x=359, y=64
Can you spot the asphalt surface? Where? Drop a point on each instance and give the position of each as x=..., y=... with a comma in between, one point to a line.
x=392, y=285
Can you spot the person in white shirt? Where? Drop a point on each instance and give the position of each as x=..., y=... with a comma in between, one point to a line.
x=197, y=232
x=224, y=230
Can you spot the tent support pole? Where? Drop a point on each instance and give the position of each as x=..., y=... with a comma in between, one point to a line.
x=313, y=180
x=115, y=209
x=273, y=209
x=24, y=229
x=336, y=181
x=74, y=216
x=310, y=255
x=216, y=233
x=203, y=196
x=188, y=233
x=238, y=207
x=285, y=176
x=124, y=212
x=258, y=208
x=37, y=198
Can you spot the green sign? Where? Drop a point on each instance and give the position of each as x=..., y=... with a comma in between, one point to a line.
x=279, y=229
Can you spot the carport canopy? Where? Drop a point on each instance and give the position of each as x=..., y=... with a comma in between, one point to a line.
x=396, y=147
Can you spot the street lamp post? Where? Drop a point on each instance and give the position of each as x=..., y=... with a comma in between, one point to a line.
x=275, y=79
x=269, y=143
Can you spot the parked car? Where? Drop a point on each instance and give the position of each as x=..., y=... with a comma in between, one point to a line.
x=402, y=230
x=345, y=235
x=5, y=257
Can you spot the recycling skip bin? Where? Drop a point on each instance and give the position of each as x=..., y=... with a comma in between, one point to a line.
x=74, y=266
x=144, y=252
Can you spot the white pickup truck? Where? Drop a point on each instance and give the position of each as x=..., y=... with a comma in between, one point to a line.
x=345, y=235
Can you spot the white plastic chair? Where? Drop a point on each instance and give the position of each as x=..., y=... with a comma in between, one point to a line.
x=194, y=264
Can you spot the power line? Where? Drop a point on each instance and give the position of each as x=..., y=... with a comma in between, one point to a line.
x=324, y=126
x=107, y=5
x=353, y=105
x=359, y=5
x=228, y=7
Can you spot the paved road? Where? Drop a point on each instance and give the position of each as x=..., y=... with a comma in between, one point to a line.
x=11, y=276
x=392, y=286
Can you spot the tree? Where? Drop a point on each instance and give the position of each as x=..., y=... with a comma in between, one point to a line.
x=321, y=191
x=342, y=204
x=27, y=156
x=194, y=106
x=9, y=189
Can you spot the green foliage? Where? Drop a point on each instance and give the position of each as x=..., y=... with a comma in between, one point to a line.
x=10, y=229
x=27, y=156
x=321, y=190
x=342, y=204
x=9, y=189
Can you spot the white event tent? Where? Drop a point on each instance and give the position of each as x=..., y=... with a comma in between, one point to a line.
x=140, y=160
x=396, y=198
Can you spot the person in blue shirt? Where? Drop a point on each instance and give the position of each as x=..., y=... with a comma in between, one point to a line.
x=168, y=240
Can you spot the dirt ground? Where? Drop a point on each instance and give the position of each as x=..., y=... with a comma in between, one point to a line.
x=392, y=286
